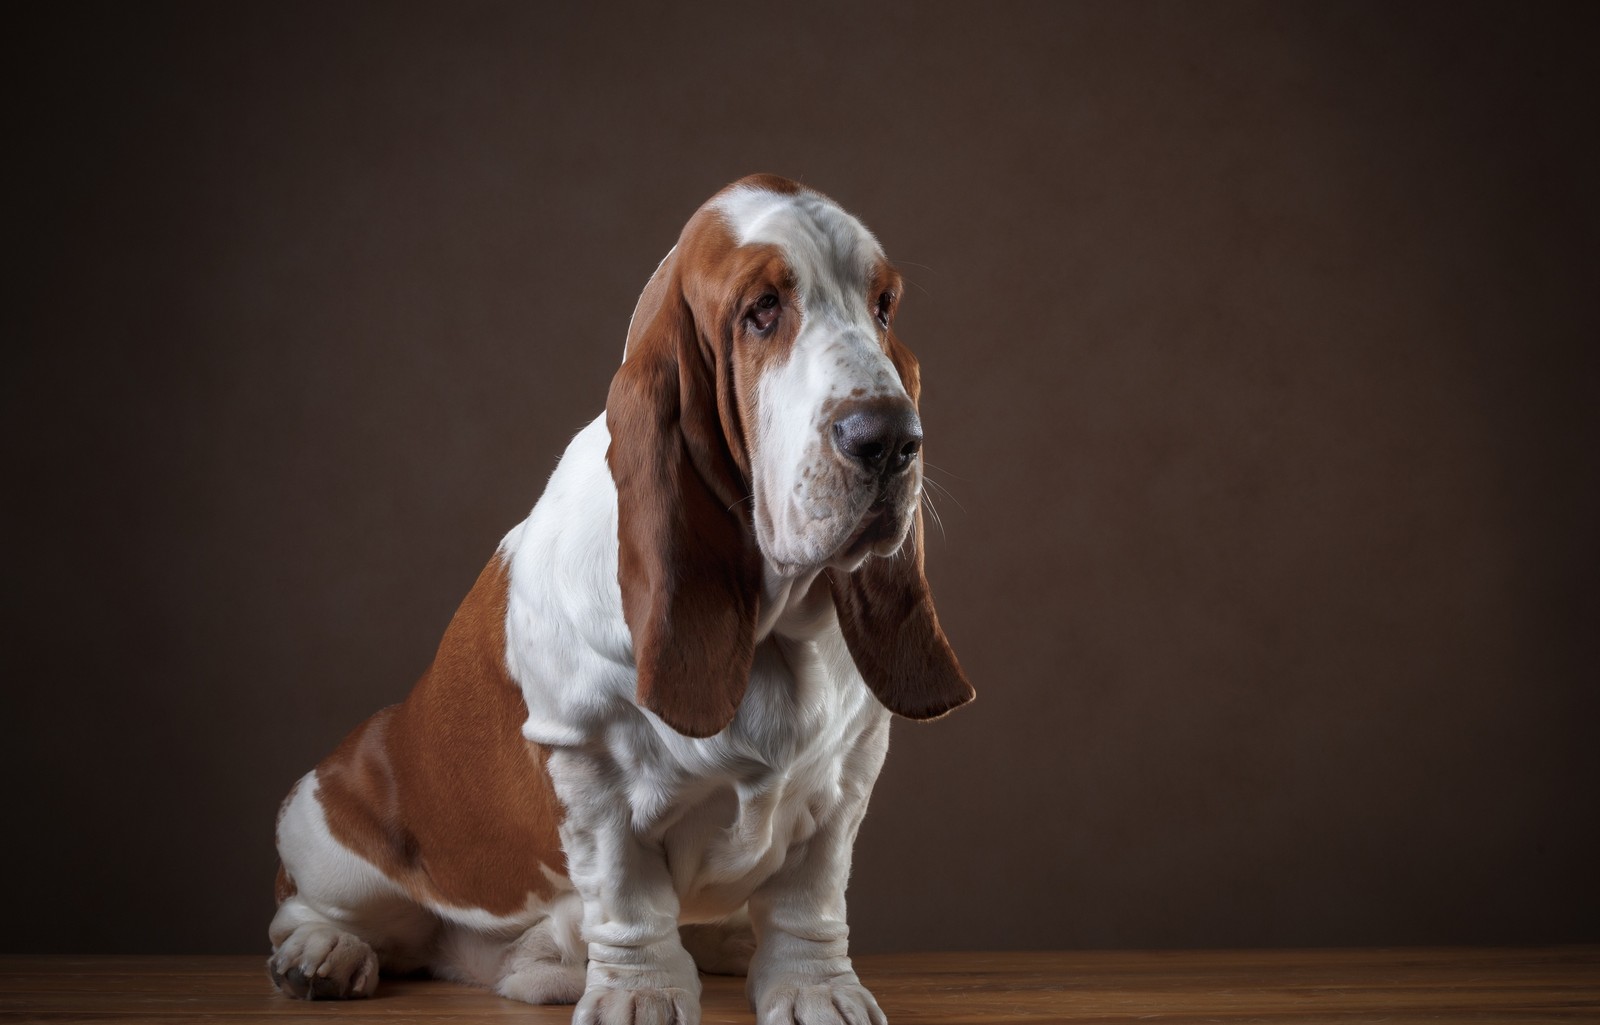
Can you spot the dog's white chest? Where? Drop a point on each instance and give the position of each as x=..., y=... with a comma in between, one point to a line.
x=808, y=737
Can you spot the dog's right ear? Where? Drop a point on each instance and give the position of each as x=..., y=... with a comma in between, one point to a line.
x=687, y=560
x=887, y=616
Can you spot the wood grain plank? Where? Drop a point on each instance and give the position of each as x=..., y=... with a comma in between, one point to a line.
x=1294, y=987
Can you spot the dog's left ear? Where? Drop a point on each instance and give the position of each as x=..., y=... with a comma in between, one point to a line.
x=886, y=612
x=687, y=561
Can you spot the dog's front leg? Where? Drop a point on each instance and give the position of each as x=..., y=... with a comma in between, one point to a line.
x=638, y=968
x=801, y=970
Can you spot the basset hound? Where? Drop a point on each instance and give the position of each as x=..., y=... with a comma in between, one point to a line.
x=646, y=742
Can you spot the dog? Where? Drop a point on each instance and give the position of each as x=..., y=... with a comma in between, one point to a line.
x=646, y=742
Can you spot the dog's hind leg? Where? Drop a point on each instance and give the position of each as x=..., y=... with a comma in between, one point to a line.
x=547, y=964
x=543, y=964
x=339, y=919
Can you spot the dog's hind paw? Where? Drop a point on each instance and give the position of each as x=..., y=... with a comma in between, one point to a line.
x=545, y=982
x=320, y=962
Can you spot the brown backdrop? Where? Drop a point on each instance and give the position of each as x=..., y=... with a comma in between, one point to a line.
x=1260, y=351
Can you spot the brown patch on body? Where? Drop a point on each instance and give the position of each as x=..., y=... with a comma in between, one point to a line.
x=442, y=792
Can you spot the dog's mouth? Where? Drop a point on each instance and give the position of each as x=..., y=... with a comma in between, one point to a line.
x=882, y=530
x=848, y=522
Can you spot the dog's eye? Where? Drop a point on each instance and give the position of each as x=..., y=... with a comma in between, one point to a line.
x=884, y=309
x=764, y=313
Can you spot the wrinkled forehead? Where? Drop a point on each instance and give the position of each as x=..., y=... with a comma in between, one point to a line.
x=830, y=253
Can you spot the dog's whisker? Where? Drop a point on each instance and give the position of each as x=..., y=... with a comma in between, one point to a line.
x=944, y=491
x=933, y=512
x=935, y=466
x=911, y=282
x=933, y=483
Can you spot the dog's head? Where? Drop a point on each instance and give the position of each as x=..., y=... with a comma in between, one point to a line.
x=764, y=427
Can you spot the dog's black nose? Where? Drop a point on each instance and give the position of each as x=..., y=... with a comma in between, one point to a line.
x=882, y=436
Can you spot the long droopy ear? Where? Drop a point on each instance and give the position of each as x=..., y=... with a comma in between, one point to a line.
x=886, y=612
x=687, y=560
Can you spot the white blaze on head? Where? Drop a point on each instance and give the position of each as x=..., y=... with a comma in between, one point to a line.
x=810, y=502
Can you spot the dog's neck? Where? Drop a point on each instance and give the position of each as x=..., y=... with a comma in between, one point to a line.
x=798, y=607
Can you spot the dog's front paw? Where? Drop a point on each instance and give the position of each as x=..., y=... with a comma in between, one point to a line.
x=654, y=984
x=802, y=1001
x=605, y=1005
x=320, y=962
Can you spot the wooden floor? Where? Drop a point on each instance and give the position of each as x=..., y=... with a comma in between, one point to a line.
x=1230, y=987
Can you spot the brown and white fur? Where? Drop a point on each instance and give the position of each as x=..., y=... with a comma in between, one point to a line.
x=648, y=737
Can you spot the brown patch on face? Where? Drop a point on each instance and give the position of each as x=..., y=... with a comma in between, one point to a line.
x=905, y=364
x=442, y=792
x=703, y=293
x=758, y=271
x=885, y=286
x=886, y=281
